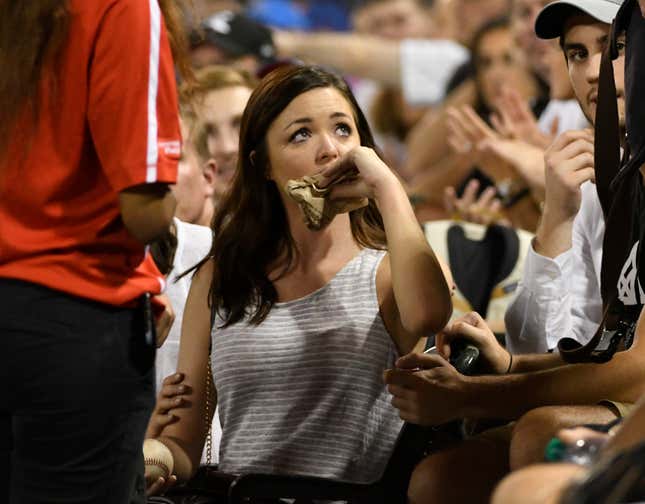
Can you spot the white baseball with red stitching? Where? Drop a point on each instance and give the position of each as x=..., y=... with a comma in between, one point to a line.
x=158, y=459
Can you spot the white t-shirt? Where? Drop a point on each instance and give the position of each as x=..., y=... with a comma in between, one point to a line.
x=426, y=68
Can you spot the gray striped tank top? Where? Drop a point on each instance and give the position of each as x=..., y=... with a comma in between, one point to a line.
x=302, y=393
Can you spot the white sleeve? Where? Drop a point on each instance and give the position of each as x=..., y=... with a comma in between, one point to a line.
x=426, y=68
x=560, y=297
x=542, y=300
x=584, y=271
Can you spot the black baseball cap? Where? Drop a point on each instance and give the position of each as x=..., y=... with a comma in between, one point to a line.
x=237, y=35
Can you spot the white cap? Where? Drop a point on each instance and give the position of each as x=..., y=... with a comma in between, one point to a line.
x=550, y=22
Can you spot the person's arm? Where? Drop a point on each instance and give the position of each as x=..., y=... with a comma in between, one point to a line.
x=622, y=379
x=493, y=357
x=420, y=67
x=364, y=56
x=510, y=396
x=185, y=437
x=584, y=270
x=420, y=301
x=147, y=210
x=569, y=163
x=427, y=141
x=560, y=296
x=542, y=304
x=133, y=115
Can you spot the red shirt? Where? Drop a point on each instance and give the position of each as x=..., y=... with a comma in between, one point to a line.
x=111, y=124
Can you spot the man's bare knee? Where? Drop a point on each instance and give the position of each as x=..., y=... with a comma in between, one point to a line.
x=534, y=430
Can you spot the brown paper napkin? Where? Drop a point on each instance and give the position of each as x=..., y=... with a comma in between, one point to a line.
x=311, y=194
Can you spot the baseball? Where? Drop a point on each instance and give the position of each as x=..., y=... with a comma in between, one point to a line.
x=158, y=460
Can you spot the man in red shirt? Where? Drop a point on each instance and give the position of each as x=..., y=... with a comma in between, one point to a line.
x=83, y=187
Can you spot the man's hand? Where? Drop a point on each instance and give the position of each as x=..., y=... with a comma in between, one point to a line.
x=426, y=389
x=171, y=396
x=493, y=357
x=569, y=162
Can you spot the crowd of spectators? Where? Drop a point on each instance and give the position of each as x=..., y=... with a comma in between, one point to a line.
x=361, y=186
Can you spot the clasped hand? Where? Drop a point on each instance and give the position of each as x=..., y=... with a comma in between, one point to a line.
x=428, y=390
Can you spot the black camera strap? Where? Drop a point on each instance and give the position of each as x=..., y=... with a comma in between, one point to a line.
x=617, y=184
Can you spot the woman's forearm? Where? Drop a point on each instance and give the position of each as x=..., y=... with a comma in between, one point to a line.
x=419, y=284
x=186, y=436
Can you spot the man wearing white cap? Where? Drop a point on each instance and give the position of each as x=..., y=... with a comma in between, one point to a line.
x=535, y=381
x=560, y=291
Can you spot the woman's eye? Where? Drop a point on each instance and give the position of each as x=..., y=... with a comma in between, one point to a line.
x=343, y=129
x=620, y=45
x=300, y=135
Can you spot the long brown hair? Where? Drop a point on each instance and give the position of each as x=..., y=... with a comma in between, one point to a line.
x=32, y=32
x=32, y=35
x=250, y=227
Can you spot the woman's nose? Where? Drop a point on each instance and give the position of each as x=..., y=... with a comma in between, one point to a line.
x=328, y=149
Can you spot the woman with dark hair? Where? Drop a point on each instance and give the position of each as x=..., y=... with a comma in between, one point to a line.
x=89, y=141
x=303, y=322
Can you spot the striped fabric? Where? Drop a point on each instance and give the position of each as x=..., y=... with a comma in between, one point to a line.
x=302, y=393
